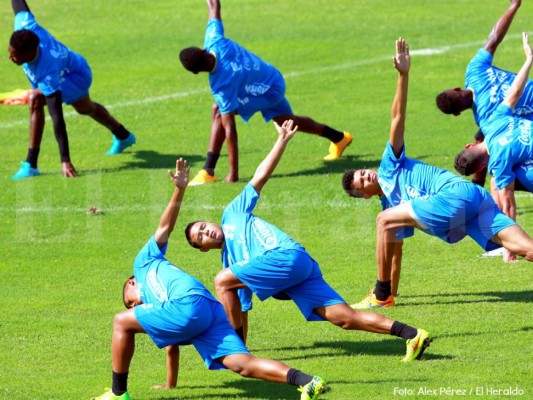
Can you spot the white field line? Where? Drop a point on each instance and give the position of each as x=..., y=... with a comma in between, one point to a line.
x=336, y=67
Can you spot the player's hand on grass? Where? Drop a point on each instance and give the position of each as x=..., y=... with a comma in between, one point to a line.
x=181, y=177
x=162, y=387
x=508, y=256
x=68, y=170
x=402, y=60
x=287, y=130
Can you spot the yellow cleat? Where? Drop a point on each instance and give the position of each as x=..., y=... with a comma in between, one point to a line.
x=201, y=178
x=314, y=389
x=370, y=302
x=336, y=149
x=110, y=396
x=417, y=345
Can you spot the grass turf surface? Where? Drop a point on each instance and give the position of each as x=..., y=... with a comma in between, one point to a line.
x=62, y=269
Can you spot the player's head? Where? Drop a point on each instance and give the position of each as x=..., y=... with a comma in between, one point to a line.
x=130, y=294
x=204, y=235
x=23, y=46
x=471, y=160
x=451, y=101
x=196, y=60
x=361, y=183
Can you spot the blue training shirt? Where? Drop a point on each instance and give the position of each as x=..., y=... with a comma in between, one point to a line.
x=239, y=74
x=159, y=280
x=54, y=60
x=247, y=236
x=491, y=85
x=509, y=143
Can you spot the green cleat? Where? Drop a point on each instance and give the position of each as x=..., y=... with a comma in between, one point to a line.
x=314, y=389
x=417, y=345
x=109, y=395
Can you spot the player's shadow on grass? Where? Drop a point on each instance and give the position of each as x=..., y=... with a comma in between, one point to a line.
x=389, y=347
x=261, y=390
x=149, y=159
x=524, y=296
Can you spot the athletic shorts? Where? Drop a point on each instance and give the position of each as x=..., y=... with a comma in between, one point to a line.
x=271, y=104
x=292, y=273
x=194, y=320
x=76, y=84
x=524, y=176
x=461, y=209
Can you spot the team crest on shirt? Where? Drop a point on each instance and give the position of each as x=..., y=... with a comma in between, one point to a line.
x=264, y=234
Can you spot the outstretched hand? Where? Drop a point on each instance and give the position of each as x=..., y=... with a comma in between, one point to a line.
x=527, y=47
x=181, y=177
x=402, y=60
x=287, y=130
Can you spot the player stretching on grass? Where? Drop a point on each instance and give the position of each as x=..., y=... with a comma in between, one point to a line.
x=57, y=75
x=508, y=140
x=175, y=309
x=425, y=197
x=260, y=258
x=487, y=85
x=243, y=84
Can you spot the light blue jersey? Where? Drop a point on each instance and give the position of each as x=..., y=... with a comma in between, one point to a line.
x=443, y=204
x=490, y=86
x=159, y=280
x=509, y=143
x=247, y=236
x=241, y=81
x=178, y=309
x=56, y=68
x=269, y=262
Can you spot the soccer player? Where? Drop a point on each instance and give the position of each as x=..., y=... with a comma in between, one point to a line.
x=509, y=142
x=258, y=257
x=244, y=84
x=175, y=309
x=486, y=85
x=57, y=75
x=418, y=195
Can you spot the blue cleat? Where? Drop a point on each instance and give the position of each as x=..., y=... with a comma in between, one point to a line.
x=118, y=146
x=26, y=171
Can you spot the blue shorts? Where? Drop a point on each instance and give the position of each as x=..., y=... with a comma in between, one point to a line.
x=76, y=84
x=524, y=175
x=272, y=104
x=461, y=209
x=291, y=272
x=194, y=320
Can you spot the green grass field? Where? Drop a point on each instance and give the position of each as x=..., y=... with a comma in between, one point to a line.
x=62, y=270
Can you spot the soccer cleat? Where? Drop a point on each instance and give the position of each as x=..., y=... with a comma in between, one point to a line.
x=417, y=345
x=26, y=171
x=313, y=389
x=370, y=301
x=201, y=178
x=118, y=146
x=336, y=149
x=109, y=395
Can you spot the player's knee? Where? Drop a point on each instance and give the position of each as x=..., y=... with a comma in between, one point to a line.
x=221, y=281
x=215, y=111
x=36, y=100
x=120, y=322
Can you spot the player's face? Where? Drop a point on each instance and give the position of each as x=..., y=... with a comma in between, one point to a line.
x=18, y=57
x=366, y=180
x=131, y=295
x=207, y=235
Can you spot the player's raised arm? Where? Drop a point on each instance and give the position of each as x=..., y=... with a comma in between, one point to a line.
x=214, y=9
x=265, y=169
x=19, y=5
x=517, y=88
x=402, y=63
x=499, y=30
x=168, y=220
